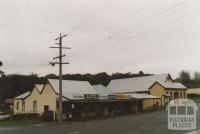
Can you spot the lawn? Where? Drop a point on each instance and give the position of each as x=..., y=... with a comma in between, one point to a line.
x=10, y=123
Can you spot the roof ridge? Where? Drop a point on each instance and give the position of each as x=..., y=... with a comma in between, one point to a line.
x=70, y=80
x=140, y=77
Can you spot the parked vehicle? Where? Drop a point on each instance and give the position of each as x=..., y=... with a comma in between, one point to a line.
x=4, y=116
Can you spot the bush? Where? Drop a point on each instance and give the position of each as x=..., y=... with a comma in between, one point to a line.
x=33, y=116
x=47, y=116
x=29, y=116
x=19, y=117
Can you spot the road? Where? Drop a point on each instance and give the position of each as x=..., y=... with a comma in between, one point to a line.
x=146, y=123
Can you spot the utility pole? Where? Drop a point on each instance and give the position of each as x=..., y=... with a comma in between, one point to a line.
x=60, y=47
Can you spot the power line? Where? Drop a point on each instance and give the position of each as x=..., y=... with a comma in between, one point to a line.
x=149, y=18
x=163, y=16
x=90, y=16
x=134, y=12
x=32, y=69
x=135, y=36
x=144, y=20
x=28, y=28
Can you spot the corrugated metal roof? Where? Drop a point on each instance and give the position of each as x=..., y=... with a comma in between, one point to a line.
x=39, y=87
x=135, y=84
x=24, y=95
x=73, y=88
x=172, y=85
x=100, y=89
x=142, y=96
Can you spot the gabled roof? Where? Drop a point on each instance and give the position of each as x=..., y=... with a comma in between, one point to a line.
x=39, y=87
x=23, y=96
x=100, y=89
x=72, y=87
x=172, y=85
x=135, y=84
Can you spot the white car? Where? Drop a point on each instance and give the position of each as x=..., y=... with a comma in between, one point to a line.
x=4, y=116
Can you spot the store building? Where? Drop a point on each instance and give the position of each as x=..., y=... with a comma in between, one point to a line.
x=160, y=85
x=193, y=93
x=81, y=99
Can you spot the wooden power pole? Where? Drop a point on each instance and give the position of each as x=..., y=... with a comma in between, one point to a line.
x=60, y=47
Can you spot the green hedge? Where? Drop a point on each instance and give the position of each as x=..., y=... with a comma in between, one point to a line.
x=25, y=116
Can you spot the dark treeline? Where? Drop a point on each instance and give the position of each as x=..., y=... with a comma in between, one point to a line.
x=190, y=81
x=14, y=85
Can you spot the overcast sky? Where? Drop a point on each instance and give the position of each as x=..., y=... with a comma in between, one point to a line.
x=155, y=36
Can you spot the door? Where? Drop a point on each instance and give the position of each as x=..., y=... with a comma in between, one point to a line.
x=46, y=108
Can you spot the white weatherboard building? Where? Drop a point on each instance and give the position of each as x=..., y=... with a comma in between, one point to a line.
x=81, y=99
x=45, y=97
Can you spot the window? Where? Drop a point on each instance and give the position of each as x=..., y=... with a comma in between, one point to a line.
x=171, y=93
x=34, y=106
x=17, y=107
x=23, y=105
x=181, y=95
x=46, y=108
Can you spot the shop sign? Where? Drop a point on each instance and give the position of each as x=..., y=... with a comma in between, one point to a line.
x=120, y=96
x=103, y=97
x=78, y=97
x=91, y=96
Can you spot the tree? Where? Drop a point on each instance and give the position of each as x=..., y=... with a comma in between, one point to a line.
x=1, y=72
x=197, y=76
x=141, y=73
x=184, y=77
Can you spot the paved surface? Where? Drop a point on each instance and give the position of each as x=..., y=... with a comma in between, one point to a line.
x=148, y=123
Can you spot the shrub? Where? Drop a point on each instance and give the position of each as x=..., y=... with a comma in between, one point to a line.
x=33, y=116
x=25, y=116
x=47, y=116
x=19, y=117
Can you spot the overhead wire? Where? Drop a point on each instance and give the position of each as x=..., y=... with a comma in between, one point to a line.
x=94, y=14
x=149, y=18
x=106, y=39
x=130, y=14
x=135, y=36
x=142, y=21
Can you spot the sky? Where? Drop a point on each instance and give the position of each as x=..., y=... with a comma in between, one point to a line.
x=155, y=36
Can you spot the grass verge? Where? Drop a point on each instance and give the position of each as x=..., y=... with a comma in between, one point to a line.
x=12, y=123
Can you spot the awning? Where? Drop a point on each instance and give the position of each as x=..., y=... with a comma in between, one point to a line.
x=142, y=96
